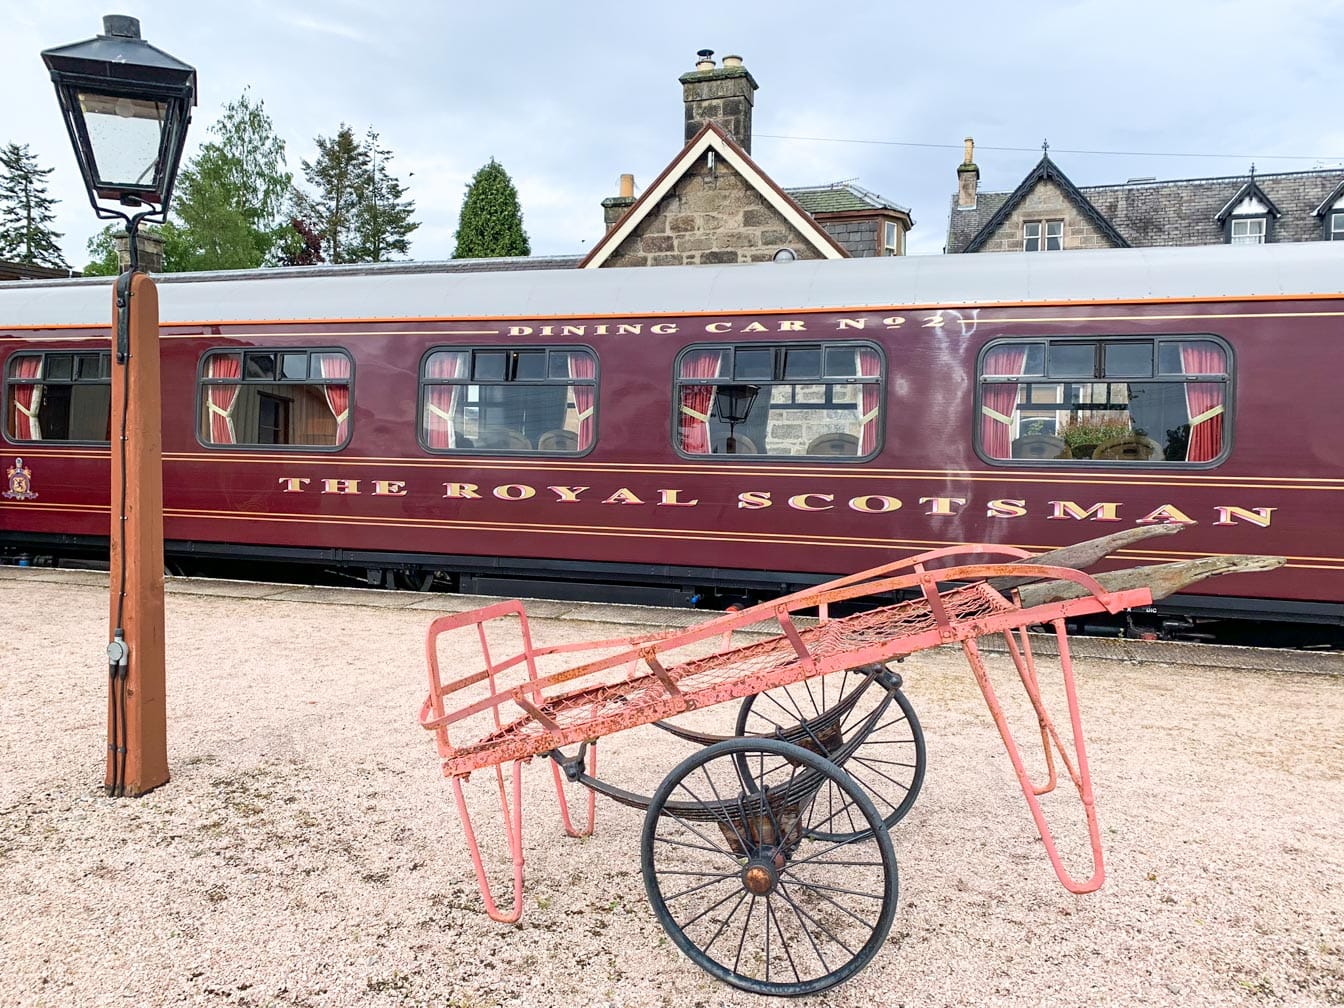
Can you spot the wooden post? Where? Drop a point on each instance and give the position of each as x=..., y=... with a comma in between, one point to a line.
x=137, y=755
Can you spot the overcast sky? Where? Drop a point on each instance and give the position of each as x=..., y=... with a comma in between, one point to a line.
x=568, y=96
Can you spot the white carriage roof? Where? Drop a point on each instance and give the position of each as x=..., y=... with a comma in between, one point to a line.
x=427, y=291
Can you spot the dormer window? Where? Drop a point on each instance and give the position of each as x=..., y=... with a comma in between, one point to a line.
x=1247, y=230
x=1042, y=236
x=1334, y=226
x=1248, y=217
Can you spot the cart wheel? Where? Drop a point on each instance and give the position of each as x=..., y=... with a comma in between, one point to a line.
x=740, y=877
x=888, y=760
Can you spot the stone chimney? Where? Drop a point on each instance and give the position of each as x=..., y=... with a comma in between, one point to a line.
x=968, y=178
x=614, y=207
x=719, y=94
x=150, y=246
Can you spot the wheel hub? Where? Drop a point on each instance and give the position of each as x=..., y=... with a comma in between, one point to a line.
x=760, y=877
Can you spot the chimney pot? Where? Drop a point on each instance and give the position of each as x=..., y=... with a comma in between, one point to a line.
x=627, y=186
x=705, y=59
x=732, y=61
x=970, y=151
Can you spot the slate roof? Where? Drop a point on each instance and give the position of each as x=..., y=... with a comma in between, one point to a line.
x=1178, y=212
x=841, y=197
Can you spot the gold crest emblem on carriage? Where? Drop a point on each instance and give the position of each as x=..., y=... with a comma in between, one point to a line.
x=20, y=482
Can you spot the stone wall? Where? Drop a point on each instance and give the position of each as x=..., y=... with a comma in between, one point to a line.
x=710, y=217
x=1046, y=202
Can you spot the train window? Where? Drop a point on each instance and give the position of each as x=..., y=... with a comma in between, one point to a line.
x=489, y=401
x=59, y=397
x=1141, y=402
x=808, y=400
x=254, y=398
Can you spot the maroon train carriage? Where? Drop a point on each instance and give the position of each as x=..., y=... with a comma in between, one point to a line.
x=709, y=432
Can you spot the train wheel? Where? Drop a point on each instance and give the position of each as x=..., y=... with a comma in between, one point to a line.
x=414, y=580
x=742, y=879
x=862, y=709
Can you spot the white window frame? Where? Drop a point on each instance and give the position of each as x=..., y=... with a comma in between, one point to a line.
x=1247, y=231
x=1054, y=236
x=1334, y=225
x=1042, y=236
x=891, y=239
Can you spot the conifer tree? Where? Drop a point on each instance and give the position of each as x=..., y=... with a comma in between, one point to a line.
x=491, y=223
x=382, y=223
x=338, y=174
x=26, y=211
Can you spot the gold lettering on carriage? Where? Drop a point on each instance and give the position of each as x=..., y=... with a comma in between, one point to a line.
x=816, y=501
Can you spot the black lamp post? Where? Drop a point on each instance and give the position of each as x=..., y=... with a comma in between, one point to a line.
x=733, y=405
x=127, y=106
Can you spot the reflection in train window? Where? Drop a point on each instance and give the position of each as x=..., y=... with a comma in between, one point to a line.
x=1135, y=401
x=59, y=396
x=808, y=400
x=500, y=400
x=299, y=398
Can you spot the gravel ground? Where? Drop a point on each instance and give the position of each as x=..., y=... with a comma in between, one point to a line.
x=306, y=851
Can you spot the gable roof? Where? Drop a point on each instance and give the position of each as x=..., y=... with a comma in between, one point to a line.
x=1329, y=202
x=1045, y=171
x=712, y=138
x=1249, y=191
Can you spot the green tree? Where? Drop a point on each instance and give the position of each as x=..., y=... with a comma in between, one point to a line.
x=229, y=203
x=338, y=174
x=491, y=223
x=26, y=211
x=382, y=223
x=103, y=250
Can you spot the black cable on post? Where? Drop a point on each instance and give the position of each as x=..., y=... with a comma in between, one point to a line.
x=118, y=653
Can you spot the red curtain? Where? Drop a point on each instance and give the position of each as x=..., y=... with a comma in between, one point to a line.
x=222, y=398
x=997, y=400
x=338, y=396
x=581, y=365
x=441, y=400
x=1204, y=400
x=27, y=400
x=870, y=398
x=697, y=400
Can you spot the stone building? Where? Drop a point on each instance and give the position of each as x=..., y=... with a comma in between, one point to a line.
x=714, y=204
x=1047, y=212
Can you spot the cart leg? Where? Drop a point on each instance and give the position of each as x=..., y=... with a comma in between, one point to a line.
x=1025, y=662
x=513, y=831
x=590, y=798
x=1081, y=777
x=738, y=878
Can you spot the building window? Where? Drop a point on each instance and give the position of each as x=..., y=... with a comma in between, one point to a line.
x=59, y=397
x=1043, y=236
x=1334, y=226
x=785, y=400
x=1077, y=402
x=263, y=398
x=891, y=239
x=503, y=400
x=1247, y=231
